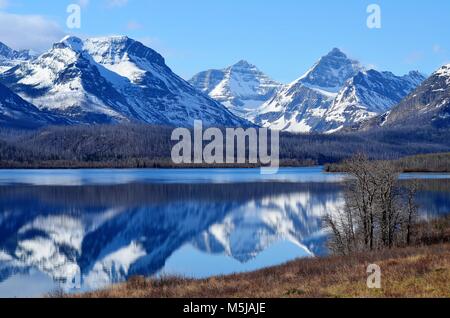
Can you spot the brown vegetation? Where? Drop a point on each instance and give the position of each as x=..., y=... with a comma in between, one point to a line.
x=378, y=213
x=419, y=271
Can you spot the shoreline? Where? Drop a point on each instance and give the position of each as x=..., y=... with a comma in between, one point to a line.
x=428, y=163
x=421, y=270
x=407, y=272
x=425, y=163
x=144, y=165
x=201, y=167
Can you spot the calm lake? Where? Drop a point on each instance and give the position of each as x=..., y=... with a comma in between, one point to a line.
x=80, y=230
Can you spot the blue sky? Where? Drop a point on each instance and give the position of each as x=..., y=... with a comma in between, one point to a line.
x=283, y=38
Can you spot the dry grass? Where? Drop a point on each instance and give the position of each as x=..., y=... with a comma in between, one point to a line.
x=422, y=271
x=409, y=272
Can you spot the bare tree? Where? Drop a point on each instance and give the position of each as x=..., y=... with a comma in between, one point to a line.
x=374, y=215
x=411, y=209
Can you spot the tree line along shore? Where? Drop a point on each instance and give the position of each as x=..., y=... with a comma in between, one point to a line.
x=143, y=146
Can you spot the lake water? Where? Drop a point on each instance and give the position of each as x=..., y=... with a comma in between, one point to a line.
x=80, y=230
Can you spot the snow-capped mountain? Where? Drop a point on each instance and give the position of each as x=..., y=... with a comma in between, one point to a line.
x=10, y=58
x=301, y=105
x=109, y=80
x=65, y=80
x=117, y=79
x=336, y=92
x=427, y=105
x=18, y=113
x=367, y=95
x=296, y=108
x=331, y=72
x=241, y=87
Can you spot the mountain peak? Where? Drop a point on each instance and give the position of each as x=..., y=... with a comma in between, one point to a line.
x=336, y=52
x=110, y=80
x=243, y=64
x=9, y=53
x=415, y=72
x=5, y=51
x=416, y=76
x=427, y=105
x=242, y=87
x=72, y=42
x=366, y=95
x=118, y=47
x=331, y=71
x=114, y=40
x=242, y=67
x=10, y=58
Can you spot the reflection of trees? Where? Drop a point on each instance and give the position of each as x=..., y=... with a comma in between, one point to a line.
x=138, y=194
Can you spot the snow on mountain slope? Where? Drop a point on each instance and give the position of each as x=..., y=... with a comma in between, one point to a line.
x=427, y=105
x=367, y=95
x=444, y=72
x=296, y=108
x=155, y=86
x=249, y=230
x=241, y=87
x=65, y=80
x=335, y=93
x=61, y=231
x=18, y=113
x=10, y=58
x=301, y=105
x=109, y=80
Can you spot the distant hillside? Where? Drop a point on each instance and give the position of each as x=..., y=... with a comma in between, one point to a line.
x=437, y=162
x=139, y=146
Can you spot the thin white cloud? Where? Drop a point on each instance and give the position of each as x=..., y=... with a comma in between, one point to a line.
x=116, y=3
x=28, y=31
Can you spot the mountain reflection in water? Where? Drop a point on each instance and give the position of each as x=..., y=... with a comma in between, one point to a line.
x=97, y=235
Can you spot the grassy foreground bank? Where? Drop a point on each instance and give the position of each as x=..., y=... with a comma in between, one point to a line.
x=420, y=271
